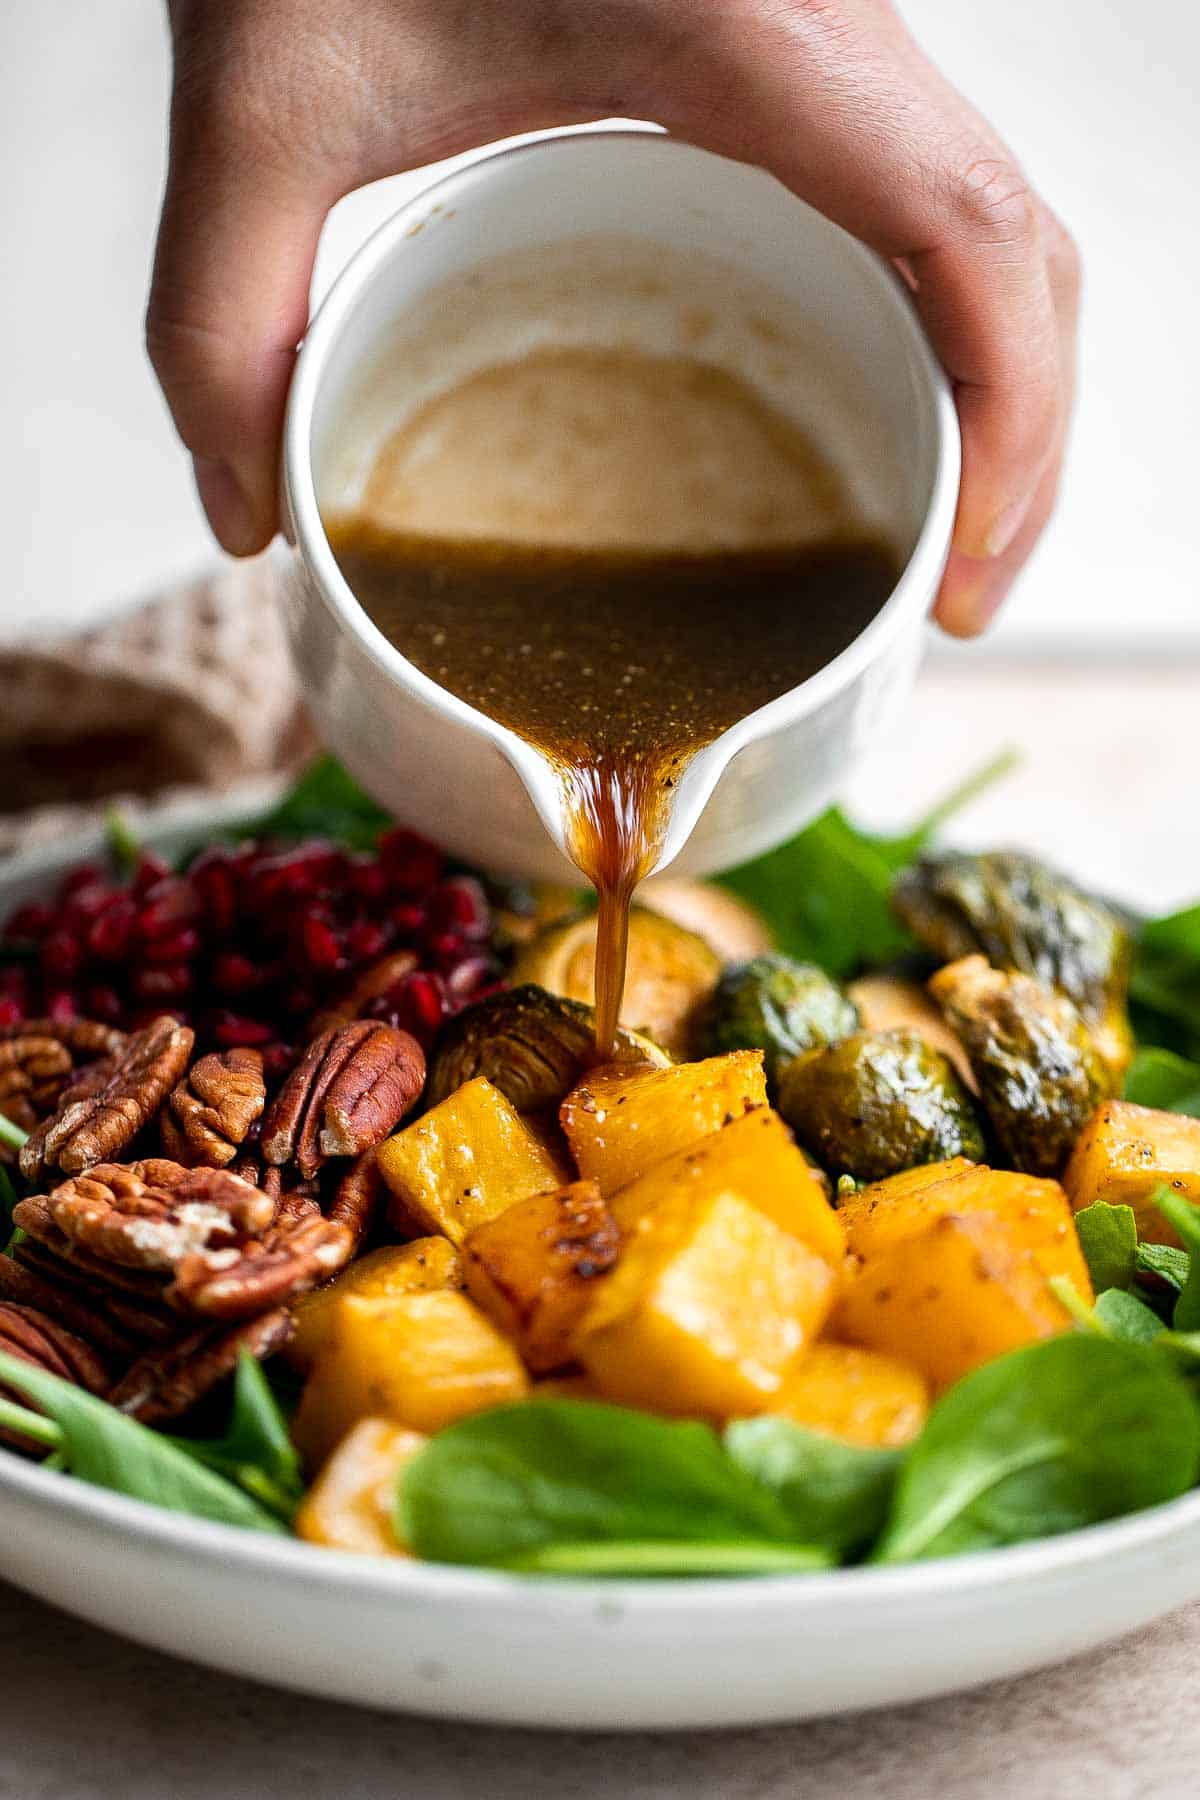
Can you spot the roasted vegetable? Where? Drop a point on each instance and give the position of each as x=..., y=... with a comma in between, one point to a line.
x=531, y=1045
x=776, y=1005
x=1025, y=917
x=879, y=1102
x=533, y=1268
x=1039, y=1075
x=421, y=1360
x=950, y=1297
x=730, y=927
x=422, y=1266
x=1036, y=1212
x=707, y=1307
x=854, y=1394
x=1125, y=1153
x=669, y=972
x=464, y=1162
x=352, y=1503
x=755, y=1158
x=620, y=1120
x=891, y=1003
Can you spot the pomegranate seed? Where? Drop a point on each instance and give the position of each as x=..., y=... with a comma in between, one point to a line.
x=291, y=874
x=446, y=949
x=85, y=874
x=231, y=1029
x=104, y=1003
x=366, y=940
x=150, y=870
x=172, y=981
x=466, y=975
x=460, y=904
x=213, y=879
x=366, y=878
x=14, y=984
x=11, y=1011
x=322, y=951
x=278, y=1061
x=167, y=904
x=412, y=864
x=175, y=946
x=32, y=920
x=409, y=919
x=422, y=1005
x=61, y=1006
x=85, y=905
x=61, y=953
x=234, y=973
x=108, y=936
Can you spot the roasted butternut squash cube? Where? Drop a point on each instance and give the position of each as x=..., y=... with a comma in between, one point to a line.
x=420, y=1360
x=854, y=1394
x=352, y=1503
x=422, y=1266
x=1125, y=1152
x=756, y=1159
x=950, y=1297
x=1035, y=1211
x=708, y=1305
x=465, y=1161
x=622, y=1118
x=533, y=1268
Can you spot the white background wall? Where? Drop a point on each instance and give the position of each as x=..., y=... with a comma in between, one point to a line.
x=1098, y=97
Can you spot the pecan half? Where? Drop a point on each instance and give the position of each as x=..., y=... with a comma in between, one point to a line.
x=28, y=1333
x=131, y=1300
x=357, y=1198
x=301, y=1250
x=372, y=984
x=350, y=1088
x=209, y=1115
x=148, y=1215
x=99, y=1116
x=37, y=1062
x=167, y=1383
x=21, y=1285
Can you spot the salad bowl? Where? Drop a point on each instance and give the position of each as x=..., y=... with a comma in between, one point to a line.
x=582, y=1653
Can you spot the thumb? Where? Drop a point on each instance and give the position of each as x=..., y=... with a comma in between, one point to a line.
x=228, y=307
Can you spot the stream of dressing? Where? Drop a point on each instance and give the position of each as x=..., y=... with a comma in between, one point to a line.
x=617, y=556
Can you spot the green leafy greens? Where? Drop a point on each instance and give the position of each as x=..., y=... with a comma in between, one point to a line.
x=824, y=894
x=326, y=802
x=256, y=1451
x=99, y=1444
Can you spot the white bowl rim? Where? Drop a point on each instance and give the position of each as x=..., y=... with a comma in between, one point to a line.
x=917, y=580
x=409, y=1579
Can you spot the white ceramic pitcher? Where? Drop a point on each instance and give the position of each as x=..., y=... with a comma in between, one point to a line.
x=792, y=303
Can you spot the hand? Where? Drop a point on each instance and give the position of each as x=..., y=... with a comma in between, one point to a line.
x=282, y=106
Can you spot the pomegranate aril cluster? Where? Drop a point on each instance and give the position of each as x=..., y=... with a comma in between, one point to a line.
x=251, y=940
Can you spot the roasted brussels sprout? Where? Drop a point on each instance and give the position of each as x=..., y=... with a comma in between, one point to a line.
x=1026, y=917
x=1040, y=1076
x=890, y=1002
x=776, y=1005
x=879, y=1102
x=668, y=974
x=531, y=1045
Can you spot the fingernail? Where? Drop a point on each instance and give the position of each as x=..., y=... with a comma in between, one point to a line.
x=229, y=511
x=1005, y=526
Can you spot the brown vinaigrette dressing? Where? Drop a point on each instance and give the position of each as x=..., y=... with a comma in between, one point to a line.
x=617, y=664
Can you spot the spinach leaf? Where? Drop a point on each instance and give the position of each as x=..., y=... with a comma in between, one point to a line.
x=1127, y=1318
x=10, y=1234
x=99, y=1444
x=1185, y=1217
x=256, y=1451
x=824, y=895
x=1109, y=1241
x=531, y=1485
x=11, y=1134
x=658, y=1557
x=835, y=1494
x=1165, y=1261
x=1044, y=1440
x=1164, y=985
x=124, y=844
x=326, y=802
x=1162, y=1079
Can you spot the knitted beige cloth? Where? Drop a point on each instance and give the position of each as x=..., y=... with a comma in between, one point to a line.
x=193, y=691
